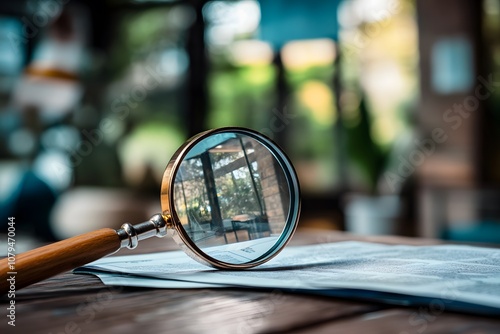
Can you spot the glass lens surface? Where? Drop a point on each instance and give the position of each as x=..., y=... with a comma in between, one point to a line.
x=232, y=195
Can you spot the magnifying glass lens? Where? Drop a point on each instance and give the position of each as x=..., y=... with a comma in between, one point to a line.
x=234, y=198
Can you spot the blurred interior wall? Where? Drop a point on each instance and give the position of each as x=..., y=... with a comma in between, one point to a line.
x=448, y=155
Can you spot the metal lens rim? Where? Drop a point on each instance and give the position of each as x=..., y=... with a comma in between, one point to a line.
x=182, y=237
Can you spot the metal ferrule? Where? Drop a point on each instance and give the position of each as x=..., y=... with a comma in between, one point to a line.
x=130, y=235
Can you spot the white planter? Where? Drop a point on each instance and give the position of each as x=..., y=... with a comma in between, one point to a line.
x=372, y=215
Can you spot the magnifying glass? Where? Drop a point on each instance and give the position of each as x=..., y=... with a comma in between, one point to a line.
x=230, y=198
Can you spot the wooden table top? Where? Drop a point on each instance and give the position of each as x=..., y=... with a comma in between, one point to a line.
x=71, y=303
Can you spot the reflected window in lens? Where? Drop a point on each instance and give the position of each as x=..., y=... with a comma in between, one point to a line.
x=232, y=189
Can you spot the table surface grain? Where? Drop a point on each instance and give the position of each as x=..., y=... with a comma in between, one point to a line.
x=71, y=303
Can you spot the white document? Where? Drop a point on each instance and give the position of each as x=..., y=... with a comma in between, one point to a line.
x=141, y=281
x=446, y=274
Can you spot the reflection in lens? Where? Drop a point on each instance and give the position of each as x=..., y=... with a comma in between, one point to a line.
x=232, y=197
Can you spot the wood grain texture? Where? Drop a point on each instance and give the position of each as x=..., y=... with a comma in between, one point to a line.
x=81, y=304
x=407, y=321
x=50, y=260
x=104, y=309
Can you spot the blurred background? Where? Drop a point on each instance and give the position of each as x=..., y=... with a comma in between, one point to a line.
x=389, y=109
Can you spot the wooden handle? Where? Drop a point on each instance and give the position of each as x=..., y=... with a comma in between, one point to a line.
x=47, y=261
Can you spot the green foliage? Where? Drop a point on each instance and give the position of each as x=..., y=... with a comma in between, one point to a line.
x=235, y=191
x=240, y=96
x=362, y=150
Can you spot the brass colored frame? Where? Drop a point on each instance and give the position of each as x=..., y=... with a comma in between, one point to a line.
x=175, y=228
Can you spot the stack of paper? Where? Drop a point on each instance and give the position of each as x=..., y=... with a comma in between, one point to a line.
x=443, y=277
